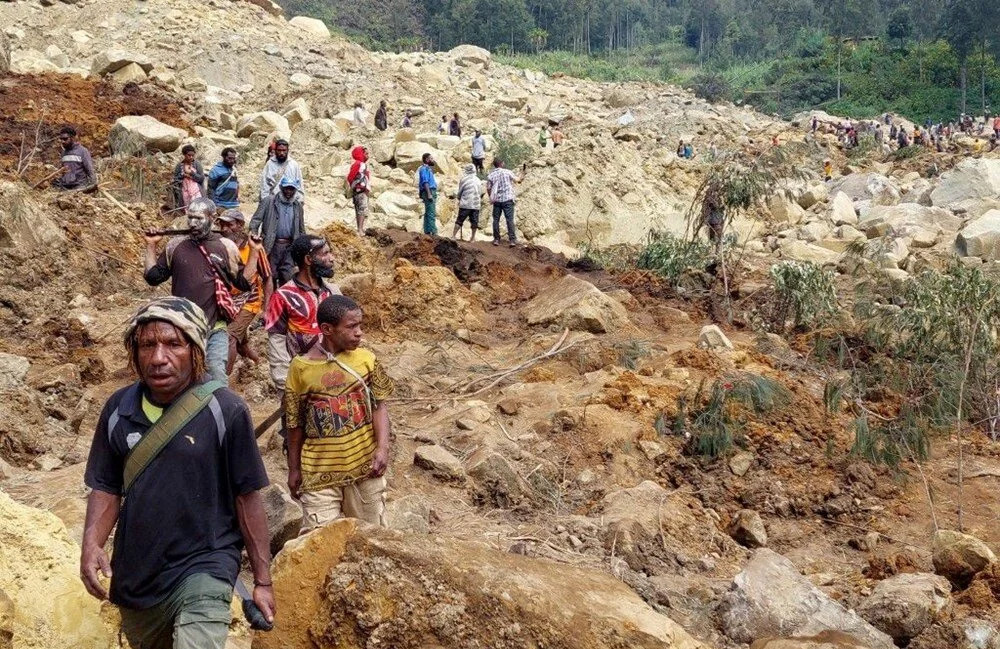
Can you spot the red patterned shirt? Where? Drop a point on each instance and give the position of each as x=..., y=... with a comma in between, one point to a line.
x=292, y=314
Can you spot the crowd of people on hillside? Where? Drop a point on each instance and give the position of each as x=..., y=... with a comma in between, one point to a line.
x=889, y=133
x=179, y=429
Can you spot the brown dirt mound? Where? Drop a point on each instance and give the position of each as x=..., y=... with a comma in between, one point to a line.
x=56, y=100
x=353, y=254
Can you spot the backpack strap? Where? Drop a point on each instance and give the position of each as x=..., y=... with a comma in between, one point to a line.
x=175, y=418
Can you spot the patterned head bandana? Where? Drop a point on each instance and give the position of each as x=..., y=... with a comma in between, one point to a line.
x=178, y=311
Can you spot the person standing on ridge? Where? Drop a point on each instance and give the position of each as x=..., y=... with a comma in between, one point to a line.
x=359, y=180
x=175, y=470
x=469, y=197
x=428, y=189
x=455, y=126
x=500, y=187
x=360, y=115
x=478, y=150
x=381, y=116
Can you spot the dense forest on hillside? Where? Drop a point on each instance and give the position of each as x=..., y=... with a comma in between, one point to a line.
x=928, y=59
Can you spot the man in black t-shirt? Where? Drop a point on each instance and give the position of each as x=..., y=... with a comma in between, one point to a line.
x=188, y=515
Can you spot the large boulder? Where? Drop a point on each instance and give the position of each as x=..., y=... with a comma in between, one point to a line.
x=312, y=26
x=265, y=121
x=345, y=586
x=905, y=604
x=470, y=55
x=31, y=62
x=915, y=224
x=981, y=237
x=842, y=210
x=868, y=186
x=439, y=462
x=134, y=133
x=959, y=557
x=621, y=97
x=284, y=516
x=111, y=60
x=970, y=178
x=785, y=210
x=770, y=598
x=297, y=112
x=824, y=640
x=131, y=73
x=40, y=588
x=24, y=224
x=816, y=192
x=13, y=369
x=577, y=304
x=801, y=251
x=747, y=529
x=384, y=150
x=409, y=157
x=712, y=337
x=398, y=205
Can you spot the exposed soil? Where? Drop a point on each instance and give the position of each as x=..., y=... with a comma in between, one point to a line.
x=43, y=104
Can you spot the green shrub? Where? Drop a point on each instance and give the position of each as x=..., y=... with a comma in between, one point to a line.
x=890, y=442
x=803, y=294
x=512, y=150
x=932, y=338
x=714, y=424
x=670, y=256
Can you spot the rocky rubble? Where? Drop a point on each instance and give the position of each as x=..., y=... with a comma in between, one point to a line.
x=40, y=588
x=347, y=586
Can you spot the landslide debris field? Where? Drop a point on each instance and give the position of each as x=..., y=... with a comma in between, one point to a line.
x=578, y=461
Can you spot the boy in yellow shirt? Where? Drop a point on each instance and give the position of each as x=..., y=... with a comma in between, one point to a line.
x=338, y=422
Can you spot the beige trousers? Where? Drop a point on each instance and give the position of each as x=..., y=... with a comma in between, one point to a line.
x=364, y=500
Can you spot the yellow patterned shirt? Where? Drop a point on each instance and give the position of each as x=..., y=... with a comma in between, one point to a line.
x=335, y=412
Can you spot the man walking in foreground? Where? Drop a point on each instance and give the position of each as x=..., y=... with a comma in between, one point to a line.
x=500, y=187
x=175, y=464
x=427, y=186
x=338, y=422
x=204, y=267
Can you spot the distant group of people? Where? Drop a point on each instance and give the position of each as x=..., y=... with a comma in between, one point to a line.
x=888, y=134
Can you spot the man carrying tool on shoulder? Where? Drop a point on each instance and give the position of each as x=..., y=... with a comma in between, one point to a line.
x=175, y=465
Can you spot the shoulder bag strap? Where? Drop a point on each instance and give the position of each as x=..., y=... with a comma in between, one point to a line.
x=364, y=386
x=176, y=417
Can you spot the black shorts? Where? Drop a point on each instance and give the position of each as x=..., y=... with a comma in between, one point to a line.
x=472, y=215
x=478, y=163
